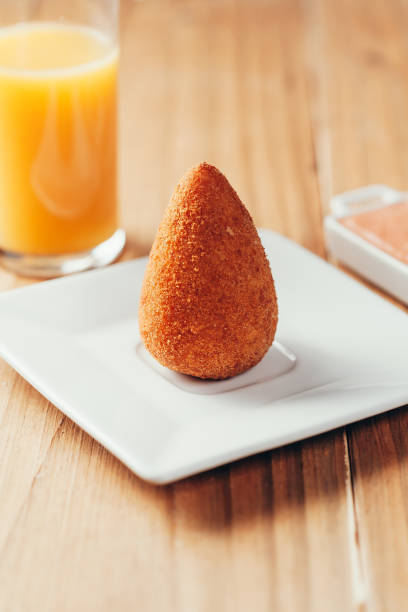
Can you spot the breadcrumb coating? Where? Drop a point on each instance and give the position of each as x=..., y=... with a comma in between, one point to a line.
x=208, y=306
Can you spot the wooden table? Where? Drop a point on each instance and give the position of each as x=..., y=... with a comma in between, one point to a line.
x=294, y=100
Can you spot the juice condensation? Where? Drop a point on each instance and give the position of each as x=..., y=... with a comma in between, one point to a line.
x=58, y=192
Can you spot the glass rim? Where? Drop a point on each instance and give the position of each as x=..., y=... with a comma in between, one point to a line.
x=111, y=55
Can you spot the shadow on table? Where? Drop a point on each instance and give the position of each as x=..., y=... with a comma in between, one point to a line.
x=286, y=481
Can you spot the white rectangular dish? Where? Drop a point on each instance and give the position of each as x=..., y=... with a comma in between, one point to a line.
x=76, y=340
x=358, y=254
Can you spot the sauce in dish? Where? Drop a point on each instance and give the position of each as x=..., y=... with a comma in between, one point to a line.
x=385, y=228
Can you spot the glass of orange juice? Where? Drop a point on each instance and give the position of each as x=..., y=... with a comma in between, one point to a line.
x=58, y=124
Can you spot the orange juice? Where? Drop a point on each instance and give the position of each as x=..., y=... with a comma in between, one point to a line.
x=57, y=138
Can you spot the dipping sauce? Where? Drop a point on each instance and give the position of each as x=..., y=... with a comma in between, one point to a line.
x=385, y=228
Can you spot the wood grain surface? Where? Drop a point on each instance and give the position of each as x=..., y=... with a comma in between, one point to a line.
x=293, y=100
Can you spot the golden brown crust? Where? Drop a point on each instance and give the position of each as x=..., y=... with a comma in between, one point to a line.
x=208, y=306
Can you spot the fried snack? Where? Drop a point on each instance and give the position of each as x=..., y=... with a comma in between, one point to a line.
x=208, y=305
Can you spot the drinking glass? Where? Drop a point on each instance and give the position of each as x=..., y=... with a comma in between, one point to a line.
x=58, y=128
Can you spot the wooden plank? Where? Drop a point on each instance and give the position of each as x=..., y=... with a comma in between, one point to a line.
x=379, y=455
x=359, y=102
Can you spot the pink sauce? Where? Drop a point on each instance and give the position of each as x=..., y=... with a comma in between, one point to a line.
x=385, y=228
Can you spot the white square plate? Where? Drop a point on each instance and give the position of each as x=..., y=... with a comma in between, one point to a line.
x=75, y=340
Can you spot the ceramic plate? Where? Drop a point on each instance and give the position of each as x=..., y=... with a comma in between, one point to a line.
x=341, y=354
